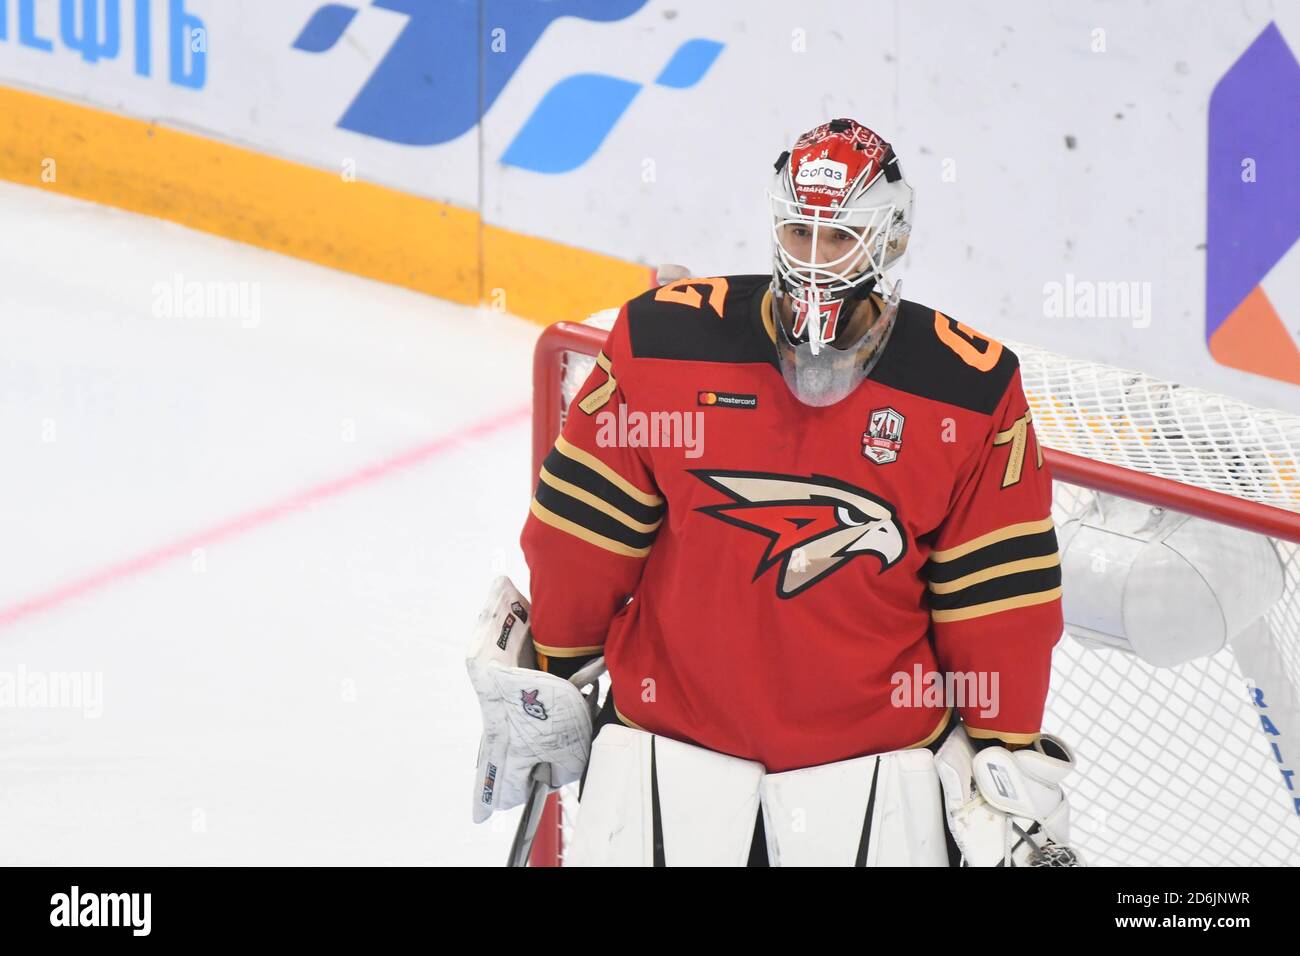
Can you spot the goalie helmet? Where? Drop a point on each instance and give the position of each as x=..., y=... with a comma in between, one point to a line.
x=841, y=215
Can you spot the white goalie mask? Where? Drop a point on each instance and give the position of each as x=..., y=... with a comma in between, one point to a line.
x=841, y=216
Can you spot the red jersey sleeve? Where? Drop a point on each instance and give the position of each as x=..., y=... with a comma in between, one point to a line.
x=994, y=578
x=594, y=516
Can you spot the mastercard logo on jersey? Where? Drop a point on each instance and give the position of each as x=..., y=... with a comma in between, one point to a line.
x=728, y=399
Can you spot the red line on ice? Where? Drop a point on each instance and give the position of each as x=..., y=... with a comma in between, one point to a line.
x=258, y=517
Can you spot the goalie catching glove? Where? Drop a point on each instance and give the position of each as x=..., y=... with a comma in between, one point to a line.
x=1006, y=807
x=531, y=719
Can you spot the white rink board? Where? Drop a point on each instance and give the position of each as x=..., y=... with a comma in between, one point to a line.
x=979, y=99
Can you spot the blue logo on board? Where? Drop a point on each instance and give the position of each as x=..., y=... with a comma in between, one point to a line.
x=433, y=85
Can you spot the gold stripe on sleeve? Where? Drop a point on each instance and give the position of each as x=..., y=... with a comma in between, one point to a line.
x=569, y=450
x=995, y=607
x=578, y=531
x=551, y=651
x=996, y=571
x=993, y=537
x=587, y=498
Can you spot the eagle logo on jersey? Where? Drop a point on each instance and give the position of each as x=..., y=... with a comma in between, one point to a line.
x=814, y=525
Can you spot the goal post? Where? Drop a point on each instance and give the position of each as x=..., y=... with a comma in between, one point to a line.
x=1187, y=741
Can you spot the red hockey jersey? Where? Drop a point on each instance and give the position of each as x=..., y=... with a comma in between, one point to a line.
x=789, y=584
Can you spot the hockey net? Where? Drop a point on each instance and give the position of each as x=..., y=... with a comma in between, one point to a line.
x=1177, y=765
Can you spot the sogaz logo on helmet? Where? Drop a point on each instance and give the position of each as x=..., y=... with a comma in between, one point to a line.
x=822, y=172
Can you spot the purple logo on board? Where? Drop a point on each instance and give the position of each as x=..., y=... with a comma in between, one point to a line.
x=1252, y=273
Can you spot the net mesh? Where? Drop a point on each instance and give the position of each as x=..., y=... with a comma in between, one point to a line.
x=1175, y=766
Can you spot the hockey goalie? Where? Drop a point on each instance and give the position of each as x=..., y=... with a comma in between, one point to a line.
x=827, y=602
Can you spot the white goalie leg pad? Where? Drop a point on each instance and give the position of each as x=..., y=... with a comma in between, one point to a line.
x=1006, y=807
x=881, y=810
x=706, y=803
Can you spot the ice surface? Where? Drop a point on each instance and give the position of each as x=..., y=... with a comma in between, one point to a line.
x=264, y=534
